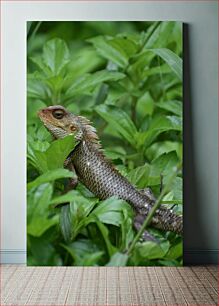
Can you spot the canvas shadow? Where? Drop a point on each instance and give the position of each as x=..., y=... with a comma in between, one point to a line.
x=193, y=227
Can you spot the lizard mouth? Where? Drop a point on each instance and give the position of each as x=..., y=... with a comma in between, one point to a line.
x=42, y=114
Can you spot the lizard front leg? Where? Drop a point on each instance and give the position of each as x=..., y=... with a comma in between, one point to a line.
x=72, y=181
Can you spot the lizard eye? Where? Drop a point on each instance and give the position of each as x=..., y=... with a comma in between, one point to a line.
x=58, y=114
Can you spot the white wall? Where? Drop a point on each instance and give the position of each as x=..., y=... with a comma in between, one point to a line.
x=201, y=160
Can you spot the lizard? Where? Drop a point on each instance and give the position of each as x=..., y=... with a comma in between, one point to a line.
x=98, y=173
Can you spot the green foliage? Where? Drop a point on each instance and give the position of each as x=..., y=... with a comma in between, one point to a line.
x=126, y=77
x=119, y=120
x=174, y=61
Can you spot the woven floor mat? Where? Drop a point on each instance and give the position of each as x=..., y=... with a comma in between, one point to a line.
x=79, y=286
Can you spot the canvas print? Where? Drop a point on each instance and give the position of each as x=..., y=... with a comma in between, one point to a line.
x=104, y=143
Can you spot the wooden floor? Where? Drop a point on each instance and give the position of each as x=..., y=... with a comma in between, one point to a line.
x=103, y=286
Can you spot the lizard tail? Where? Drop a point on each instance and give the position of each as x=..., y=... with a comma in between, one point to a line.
x=164, y=219
x=168, y=221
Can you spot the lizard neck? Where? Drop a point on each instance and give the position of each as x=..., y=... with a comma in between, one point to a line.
x=88, y=133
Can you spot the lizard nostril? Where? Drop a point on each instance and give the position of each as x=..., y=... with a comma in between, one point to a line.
x=41, y=111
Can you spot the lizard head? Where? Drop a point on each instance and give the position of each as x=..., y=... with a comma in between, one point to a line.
x=60, y=123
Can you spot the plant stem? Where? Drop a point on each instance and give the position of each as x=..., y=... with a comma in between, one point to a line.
x=171, y=202
x=156, y=25
x=153, y=209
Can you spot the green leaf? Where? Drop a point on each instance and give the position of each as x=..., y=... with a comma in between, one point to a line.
x=115, y=153
x=118, y=260
x=156, y=37
x=39, y=225
x=161, y=36
x=144, y=36
x=84, y=191
x=56, y=154
x=38, y=210
x=172, y=59
x=38, y=61
x=116, y=92
x=122, y=170
x=139, y=176
x=65, y=222
x=43, y=135
x=105, y=234
x=170, y=263
x=110, y=211
x=175, y=251
x=38, y=201
x=55, y=83
x=49, y=176
x=145, y=105
x=93, y=259
x=36, y=89
x=127, y=232
x=161, y=69
x=163, y=165
x=65, y=198
x=177, y=189
x=87, y=82
x=158, y=125
x=151, y=250
x=161, y=147
x=83, y=61
x=56, y=55
x=120, y=121
x=80, y=208
x=118, y=50
x=32, y=109
x=84, y=252
x=174, y=107
x=166, y=123
x=42, y=252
